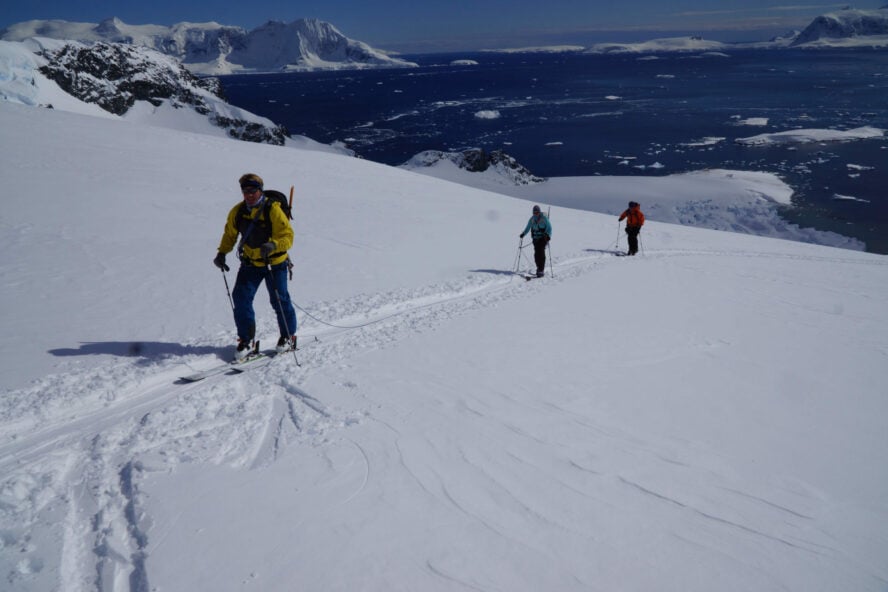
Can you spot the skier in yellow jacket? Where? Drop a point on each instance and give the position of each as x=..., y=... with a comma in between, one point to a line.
x=266, y=236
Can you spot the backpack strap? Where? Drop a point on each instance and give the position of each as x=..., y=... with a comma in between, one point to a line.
x=246, y=234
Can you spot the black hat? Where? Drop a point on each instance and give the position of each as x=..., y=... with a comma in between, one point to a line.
x=536, y=209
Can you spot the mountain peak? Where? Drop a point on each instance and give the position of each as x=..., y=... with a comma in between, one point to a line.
x=110, y=26
x=845, y=23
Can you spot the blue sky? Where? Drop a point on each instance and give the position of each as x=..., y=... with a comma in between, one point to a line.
x=411, y=25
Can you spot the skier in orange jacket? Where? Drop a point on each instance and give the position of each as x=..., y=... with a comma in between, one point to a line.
x=634, y=221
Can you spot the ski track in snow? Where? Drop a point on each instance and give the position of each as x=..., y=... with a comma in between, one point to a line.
x=74, y=448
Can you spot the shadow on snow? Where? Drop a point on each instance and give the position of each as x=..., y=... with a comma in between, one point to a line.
x=149, y=350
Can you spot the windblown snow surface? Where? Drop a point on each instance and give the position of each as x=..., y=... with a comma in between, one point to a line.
x=708, y=415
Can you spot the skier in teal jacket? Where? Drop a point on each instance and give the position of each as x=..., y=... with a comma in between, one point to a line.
x=540, y=231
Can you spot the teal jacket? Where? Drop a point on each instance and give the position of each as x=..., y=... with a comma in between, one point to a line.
x=538, y=226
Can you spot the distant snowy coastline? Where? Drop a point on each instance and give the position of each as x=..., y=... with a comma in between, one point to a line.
x=311, y=44
x=539, y=49
x=670, y=44
x=847, y=28
x=806, y=136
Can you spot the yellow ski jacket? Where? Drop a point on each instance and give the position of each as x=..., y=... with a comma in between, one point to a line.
x=265, y=222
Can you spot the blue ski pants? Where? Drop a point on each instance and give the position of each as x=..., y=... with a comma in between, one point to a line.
x=249, y=277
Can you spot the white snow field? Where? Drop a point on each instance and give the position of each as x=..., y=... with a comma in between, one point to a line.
x=708, y=415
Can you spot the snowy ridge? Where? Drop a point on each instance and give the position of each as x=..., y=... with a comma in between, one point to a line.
x=455, y=426
x=213, y=49
x=134, y=83
x=485, y=170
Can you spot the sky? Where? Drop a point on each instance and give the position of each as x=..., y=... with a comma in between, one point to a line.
x=404, y=25
x=708, y=415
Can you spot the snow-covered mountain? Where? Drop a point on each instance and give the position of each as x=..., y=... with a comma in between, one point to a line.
x=305, y=44
x=211, y=48
x=124, y=80
x=848, y=24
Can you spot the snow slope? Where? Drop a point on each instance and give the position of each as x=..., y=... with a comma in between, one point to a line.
x=709, y=415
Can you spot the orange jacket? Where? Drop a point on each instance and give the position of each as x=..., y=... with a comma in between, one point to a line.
x=634, y=217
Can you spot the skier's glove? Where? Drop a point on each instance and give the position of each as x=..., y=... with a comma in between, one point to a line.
x=267, y=249
x=219, y=262
x=521, y=235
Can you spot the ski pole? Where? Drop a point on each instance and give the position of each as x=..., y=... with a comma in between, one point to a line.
x=518, y=256
x=522, y=257
x=227, y=290
x=551, y=264
x=549, y=245
x=617, y=245
x=277, y=295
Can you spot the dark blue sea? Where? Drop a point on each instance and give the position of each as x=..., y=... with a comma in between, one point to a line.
x=572, y=114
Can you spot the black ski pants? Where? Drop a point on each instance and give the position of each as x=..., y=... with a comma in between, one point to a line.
x=632, y=235
x=539, y=252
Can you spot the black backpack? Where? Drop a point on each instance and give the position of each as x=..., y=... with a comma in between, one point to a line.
x=254, y=232
x=271, y=196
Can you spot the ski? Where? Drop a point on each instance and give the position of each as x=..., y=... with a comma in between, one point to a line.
x=237, y=366
x=241, y=366
x=530, y=276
